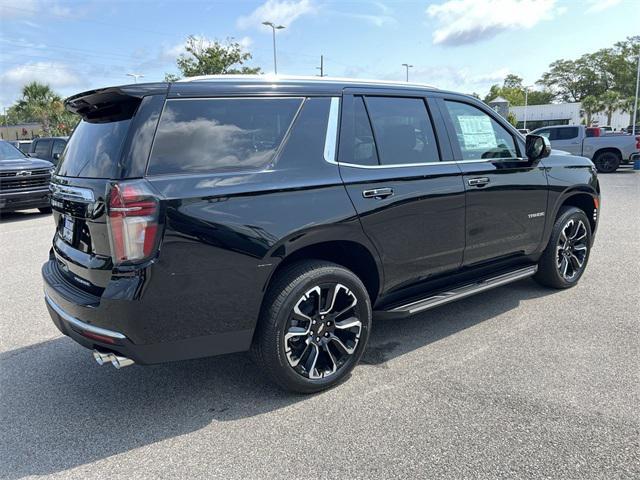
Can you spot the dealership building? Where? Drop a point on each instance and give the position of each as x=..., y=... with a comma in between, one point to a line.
x=565, y=114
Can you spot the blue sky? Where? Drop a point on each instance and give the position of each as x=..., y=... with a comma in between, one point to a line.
x=464, y=45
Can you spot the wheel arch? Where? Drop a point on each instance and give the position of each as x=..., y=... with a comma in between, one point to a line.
x=350, y=254
x=584, y=198
x=615, y=150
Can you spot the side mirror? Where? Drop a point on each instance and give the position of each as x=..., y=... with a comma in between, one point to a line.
x=56, y=156
x=537, y=147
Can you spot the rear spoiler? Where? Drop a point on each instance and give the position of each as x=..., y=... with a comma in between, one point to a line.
x=113, y=103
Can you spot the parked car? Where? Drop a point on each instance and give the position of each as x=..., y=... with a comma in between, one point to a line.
x=23, y=145
x=606, y=151
x=281, y=215
x=48, y=148
x=24, y=181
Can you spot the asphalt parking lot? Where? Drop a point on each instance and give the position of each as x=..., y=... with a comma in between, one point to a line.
x=517, y=382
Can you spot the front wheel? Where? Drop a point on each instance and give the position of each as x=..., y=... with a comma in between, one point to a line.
x=564, y=260
x=314, y=326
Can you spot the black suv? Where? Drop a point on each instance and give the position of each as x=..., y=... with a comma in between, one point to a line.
x=280, y=216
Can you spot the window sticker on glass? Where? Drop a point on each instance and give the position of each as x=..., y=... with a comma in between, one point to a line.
x=477, y=132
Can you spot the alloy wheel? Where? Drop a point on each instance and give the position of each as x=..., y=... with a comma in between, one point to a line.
x=572, y=248
x=323, y=331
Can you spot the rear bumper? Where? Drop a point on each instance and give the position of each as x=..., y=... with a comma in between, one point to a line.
x=81, y=316
x=22, y=200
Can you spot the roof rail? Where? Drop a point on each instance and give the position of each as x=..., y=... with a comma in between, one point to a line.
x=298, y=78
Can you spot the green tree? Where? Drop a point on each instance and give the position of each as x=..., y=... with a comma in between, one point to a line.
x=39, y=103
x=610, y=103
x=212, y=58
x=594, y=74
x=591, y=106
x=513, y=90
x=511, y=118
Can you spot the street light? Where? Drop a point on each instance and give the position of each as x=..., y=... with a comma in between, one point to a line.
x=136, y=76
x=407, y=66
x=274, y=27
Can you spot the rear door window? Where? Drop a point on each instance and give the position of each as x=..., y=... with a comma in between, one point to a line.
x=364, y=147
x=42, y=148
x=58, y=147
x=479, y=135
x=403, y=130
x=220, y=134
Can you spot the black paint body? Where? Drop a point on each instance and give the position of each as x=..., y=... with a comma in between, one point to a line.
x=224, y=235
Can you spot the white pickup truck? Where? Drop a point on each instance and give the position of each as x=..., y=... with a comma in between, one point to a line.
x=607, y=151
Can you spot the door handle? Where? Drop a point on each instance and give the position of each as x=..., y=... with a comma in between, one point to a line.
x=378, y=193
x=478, y=182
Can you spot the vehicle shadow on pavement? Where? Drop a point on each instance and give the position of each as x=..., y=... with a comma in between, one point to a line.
x=13, y=217
x=60, y=410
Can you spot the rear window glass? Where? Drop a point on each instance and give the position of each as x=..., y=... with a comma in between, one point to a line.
x=403, y=130
x=94, y=150
x=566, y=133
x=204, y=135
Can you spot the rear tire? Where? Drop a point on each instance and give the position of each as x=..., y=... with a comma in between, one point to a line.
x=45, y=210
x=565, y=259
x=313, y=327
x=607, y=162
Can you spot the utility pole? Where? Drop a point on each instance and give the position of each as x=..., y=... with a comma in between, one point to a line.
x=321, y=67
x=274, y=27
x=135, y=76
x=407, y=66
x=635, y=103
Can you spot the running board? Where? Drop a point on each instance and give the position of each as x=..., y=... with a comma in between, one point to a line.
x=461, y=292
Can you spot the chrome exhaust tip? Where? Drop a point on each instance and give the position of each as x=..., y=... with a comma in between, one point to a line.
x=121, y=362
x=102, y=357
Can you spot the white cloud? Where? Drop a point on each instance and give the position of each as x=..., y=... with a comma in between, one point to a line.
x=18, y=8
x=447, y=77
x=283, y=12
x=171, y=52
x=57, y=75
x=245, y=42
x=34, y=8
x=468, y=21
x=596, y=6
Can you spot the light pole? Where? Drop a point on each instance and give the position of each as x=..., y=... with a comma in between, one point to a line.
x=407, y=66
x=274, y=27
x=135, y=76
x=635, y=103
x=321, y=67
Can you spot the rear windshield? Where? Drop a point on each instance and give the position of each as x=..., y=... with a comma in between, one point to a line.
x=94, y=150
x=217, y=134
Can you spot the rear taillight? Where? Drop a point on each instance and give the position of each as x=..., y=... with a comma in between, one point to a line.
x=638, y=142
x=133, y=221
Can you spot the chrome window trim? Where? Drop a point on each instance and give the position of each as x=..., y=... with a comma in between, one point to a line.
x=330, y=139
x=404, y=165
x=80, y=324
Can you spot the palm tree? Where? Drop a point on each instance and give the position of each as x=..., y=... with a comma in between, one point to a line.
x=610, y=103
x=591, y=106
x=40, y=103
x=626, y=106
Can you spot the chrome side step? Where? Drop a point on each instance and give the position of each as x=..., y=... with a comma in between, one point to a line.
x=462, y=292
